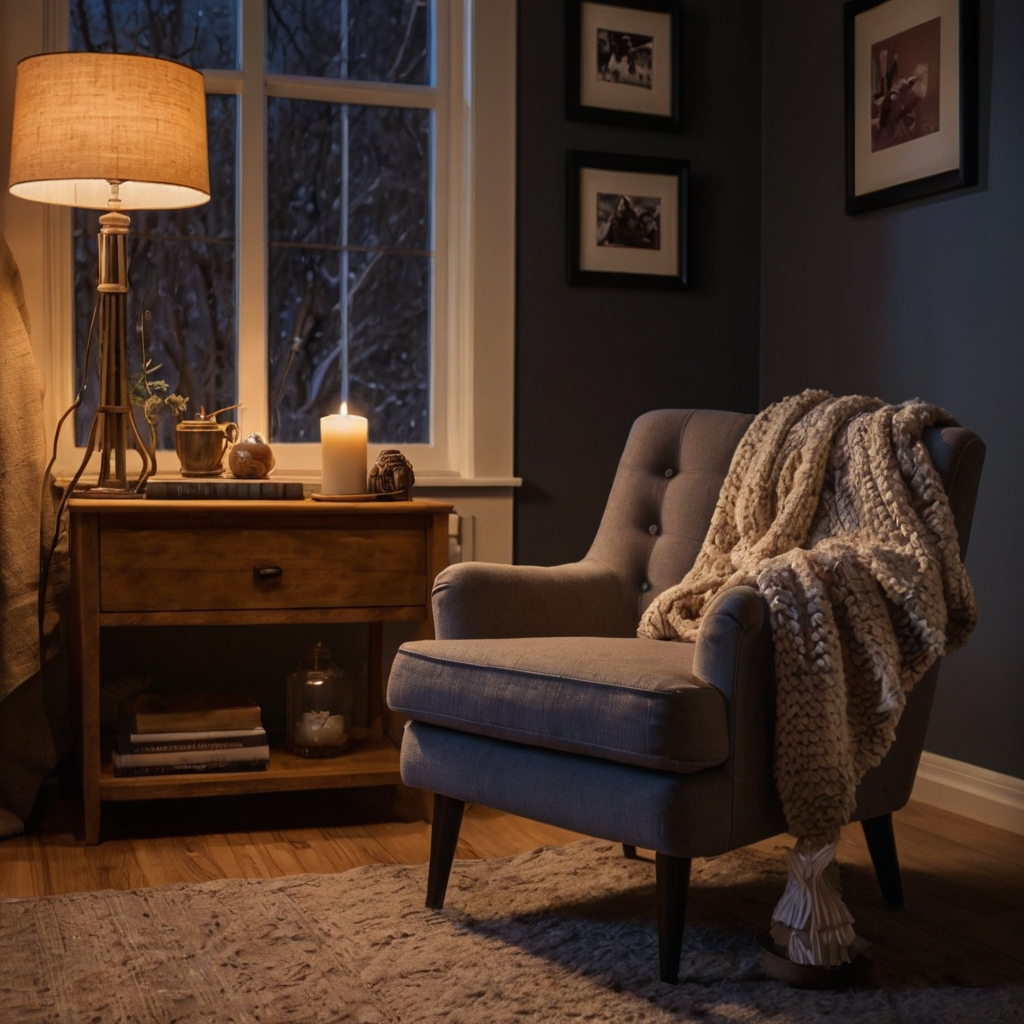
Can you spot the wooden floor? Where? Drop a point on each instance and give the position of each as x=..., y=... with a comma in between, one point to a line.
x=957, y=872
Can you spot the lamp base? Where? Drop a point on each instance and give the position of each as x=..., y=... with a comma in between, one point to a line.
x=113, y=427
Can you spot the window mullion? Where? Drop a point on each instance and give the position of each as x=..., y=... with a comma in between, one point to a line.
x=340, y=90
x=219, y=82
x=343, y=283
x=252, y=241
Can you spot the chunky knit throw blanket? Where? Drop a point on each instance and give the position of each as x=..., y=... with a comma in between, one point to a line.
x=833, y=511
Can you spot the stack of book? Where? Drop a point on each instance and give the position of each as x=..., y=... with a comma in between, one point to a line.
x=183, y=734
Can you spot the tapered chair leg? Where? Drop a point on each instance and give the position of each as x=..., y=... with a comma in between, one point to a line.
x=629, y=851
x=672, y=879
x=882, y=847
x=444, y=837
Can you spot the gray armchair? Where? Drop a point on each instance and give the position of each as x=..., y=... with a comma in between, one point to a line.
x=537, y=697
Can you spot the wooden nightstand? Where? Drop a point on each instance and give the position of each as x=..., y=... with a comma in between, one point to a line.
x=371, y=562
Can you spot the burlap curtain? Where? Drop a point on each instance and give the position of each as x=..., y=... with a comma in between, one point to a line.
x=26, y=523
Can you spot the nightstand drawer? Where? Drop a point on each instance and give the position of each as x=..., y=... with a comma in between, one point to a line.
x=167, y=570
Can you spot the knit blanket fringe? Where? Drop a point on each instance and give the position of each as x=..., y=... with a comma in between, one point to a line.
x=811, y=917
x=833, y=511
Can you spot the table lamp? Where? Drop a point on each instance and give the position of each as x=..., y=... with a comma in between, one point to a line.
x=113, y=132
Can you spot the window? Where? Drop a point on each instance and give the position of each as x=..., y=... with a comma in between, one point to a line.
x=336, y=257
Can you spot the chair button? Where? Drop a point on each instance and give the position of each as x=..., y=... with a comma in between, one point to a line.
x=645, y=586
x=653, y=529
x=669, y=473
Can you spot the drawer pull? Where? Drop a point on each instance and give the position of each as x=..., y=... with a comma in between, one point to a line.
x=267, y=572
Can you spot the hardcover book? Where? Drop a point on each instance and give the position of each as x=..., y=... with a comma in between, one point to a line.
x=163, y=742
x=225, y=489
x=191, y=712
x=204, y=768
x=191, y=758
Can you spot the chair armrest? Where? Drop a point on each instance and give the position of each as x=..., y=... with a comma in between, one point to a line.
x=734, y=653
x=482, y=599
x=726, y=654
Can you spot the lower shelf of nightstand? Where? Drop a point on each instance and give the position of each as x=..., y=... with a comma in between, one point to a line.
x=373, y=762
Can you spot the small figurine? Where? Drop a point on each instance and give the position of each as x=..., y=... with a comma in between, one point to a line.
x=392, y=474
x=251, y=459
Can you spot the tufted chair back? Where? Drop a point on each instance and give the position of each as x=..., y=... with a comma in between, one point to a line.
x=670, y=476
x=664, y=493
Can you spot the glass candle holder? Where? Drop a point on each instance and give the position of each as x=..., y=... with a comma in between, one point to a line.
x=319, y=706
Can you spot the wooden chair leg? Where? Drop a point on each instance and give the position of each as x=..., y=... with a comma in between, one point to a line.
x=444, y=836
x=672, y=879
x=629, y=851
x=882, y=847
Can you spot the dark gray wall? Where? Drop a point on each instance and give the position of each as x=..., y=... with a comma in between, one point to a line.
x=590, y=360
x=924, y=300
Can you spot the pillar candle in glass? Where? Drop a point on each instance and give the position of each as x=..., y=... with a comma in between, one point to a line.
x=343, y=453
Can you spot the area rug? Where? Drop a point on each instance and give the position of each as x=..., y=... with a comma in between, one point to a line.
x=564, y=934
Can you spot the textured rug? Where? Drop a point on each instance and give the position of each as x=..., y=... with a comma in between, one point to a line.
x=558, y=935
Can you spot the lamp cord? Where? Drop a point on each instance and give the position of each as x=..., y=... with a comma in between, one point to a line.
x=46, y=554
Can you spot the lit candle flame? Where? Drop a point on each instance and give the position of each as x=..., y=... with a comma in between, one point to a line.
x=344, y=408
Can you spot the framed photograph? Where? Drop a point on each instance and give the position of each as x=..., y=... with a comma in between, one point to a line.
x=628, y=220
x=911, y=99
x=623, y=62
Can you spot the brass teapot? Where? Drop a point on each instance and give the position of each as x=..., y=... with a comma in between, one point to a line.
x=201, y=444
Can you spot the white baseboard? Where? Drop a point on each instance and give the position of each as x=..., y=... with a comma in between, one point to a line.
x=971, y=791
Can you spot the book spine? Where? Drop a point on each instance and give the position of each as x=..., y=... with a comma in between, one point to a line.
x=189, y=769
x=218, y=755
x=203, y=736
x=200, y=721
x=224, y=489
x=174, y=746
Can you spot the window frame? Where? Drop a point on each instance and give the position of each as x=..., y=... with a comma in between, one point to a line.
x=472, y=301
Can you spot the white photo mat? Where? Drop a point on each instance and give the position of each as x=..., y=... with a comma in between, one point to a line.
x=594, y=92
x=921, y=157
x=663, y=261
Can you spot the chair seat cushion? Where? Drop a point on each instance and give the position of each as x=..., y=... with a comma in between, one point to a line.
x=619, y=698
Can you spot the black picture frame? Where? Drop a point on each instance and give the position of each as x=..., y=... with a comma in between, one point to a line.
x=592, y=260
x=883, y=168
x=583, y=107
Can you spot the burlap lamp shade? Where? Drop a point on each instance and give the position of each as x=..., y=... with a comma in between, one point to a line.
x=82, y=120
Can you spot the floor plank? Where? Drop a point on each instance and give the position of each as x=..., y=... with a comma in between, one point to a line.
x=991, y=842
x=16, y=876
x=247, y=855
x=67, y=870
x=116, y=865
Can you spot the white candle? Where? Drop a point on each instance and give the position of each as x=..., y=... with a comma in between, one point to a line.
x=343, y=453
